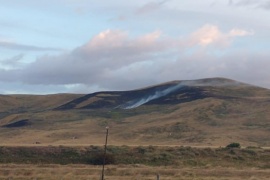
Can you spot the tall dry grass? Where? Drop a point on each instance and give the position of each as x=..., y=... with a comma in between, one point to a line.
x=127, y=172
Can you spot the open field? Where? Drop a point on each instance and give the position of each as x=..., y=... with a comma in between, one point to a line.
x=128, y=172
x=135, y=163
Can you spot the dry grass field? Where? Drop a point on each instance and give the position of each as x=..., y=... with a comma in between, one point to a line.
x=127, y=172
x=134, y=163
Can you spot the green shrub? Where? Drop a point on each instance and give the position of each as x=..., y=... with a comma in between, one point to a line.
x=233, y=145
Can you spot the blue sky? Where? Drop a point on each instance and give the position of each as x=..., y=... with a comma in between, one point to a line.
x=83, y=46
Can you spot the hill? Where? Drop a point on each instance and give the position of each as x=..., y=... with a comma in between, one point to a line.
x=206, y=112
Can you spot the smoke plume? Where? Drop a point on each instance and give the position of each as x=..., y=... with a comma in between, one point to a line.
x=163, y=92
x=157, y=94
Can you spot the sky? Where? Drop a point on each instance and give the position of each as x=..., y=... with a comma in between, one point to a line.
x=85, y=46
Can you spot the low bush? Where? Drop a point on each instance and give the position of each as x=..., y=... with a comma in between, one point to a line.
x=233, y=145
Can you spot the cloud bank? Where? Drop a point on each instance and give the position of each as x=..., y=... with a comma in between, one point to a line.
x=114, y=60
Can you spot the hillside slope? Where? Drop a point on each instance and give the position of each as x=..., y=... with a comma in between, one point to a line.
x=174, y=92
x=206, y=112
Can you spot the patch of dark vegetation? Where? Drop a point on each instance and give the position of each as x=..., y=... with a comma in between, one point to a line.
x=98, y=159
x=233, y=145
x=72, y=104
x=182, y=95
x=118, y=115
x=166, y=94
x=113, y=99
x=148, y=155
x=17, y=124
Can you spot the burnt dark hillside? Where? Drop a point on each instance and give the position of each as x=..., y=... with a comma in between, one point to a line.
x=174, y=92
x=111, y=99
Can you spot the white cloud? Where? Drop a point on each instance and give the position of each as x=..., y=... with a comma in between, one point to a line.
x=239, y=32
x=100, y=61
x=212, y=35
x=107, y=39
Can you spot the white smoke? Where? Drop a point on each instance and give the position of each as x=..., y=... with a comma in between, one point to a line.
x=145, y=99
x=160, y=93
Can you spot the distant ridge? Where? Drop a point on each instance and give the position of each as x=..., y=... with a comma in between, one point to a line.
x=135, y=98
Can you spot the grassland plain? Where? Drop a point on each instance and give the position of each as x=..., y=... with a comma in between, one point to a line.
x=142, y=162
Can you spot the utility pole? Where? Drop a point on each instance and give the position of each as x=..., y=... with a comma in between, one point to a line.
x=104, y=155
